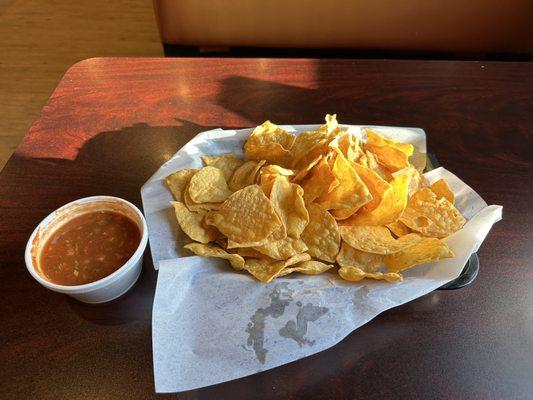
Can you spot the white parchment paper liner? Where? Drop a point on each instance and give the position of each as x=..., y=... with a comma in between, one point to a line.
x=211, y=325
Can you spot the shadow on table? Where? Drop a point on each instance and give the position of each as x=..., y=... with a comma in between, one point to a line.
x=133, y=305
x=115, y=163
x=135, y=153
x=258, y=100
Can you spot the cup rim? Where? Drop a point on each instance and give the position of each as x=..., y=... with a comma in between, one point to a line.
x=86, y=287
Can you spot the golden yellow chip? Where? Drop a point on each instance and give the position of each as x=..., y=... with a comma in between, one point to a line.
x=389, y=157
x=282, y=249
x=398, y=228
x=245, y=175
x=247, y=216
x=374, y=165
x=227, y=163
x=431, y=216
x=198, y=207
x=343, y=213
x=287, y=199
x=266, y=269
x=268, y=174
x=350, y=257
x=275, y=170
x=442, y=190
x=192, y=224
x=305, y=170
x=351, y=193
x=278, y=234
x=363, y=161
x=375, y=184
x=348, y=145
x=208, y=186
x=389, y=209
x=331, y=127
x=428, y=250
x=247, y=252
x=268, y=133
x=178, y=182
x=321, y=235
x=319, y=149
x=266, y=182
x=309, y=145
x=271, y=143
x=311, y=267
x=354, y=274
x=376, y=239
x=416, y=181
x=207, y=250
x=375, y=139
x=319, y=182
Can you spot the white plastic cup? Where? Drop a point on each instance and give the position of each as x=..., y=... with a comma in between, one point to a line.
x=109, y=287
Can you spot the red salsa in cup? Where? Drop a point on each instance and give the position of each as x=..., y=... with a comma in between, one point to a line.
x=88, y=248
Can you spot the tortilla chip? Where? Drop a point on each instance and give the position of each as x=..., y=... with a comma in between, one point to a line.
x=192, y=224
x=375, y=139
x=287, y=200
x=351, y=193
x=309, y=145
x=247, y=252
x=430, y=216
x=389, y=157
x=268, y=174
x=416, y=181
x=226, y=162
x=245, y=175
x=354, y=274
x=321, y=235
x=374, y=165
x=427, y=250
x=376, y=239
x=247, y=216
x=266, y=269
x=331, y=127
x=342, y=214
x=178, y=182
x=349, y=145
x=305, y=170
x=311, y=267
x=350, y=257
x=282, y=249
x=198, y=207
x=271, y=143
x=207, y=250
x=208, y=186
x=442, y=190
x=398, y=229
x=390, y=208
x=319, y=182
x=375, y=184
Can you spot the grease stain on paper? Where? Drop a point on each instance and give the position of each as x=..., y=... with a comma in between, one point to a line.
x=296, y=330
x=280, y=298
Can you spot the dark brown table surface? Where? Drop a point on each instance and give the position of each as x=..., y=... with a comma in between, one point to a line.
x=112, y=122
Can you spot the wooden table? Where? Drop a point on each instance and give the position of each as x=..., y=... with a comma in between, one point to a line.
x=112, y=122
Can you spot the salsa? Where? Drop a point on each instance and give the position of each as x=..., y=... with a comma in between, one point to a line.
x=89, y=247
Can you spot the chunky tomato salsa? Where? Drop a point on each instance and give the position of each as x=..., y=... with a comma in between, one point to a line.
x=89, y=247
